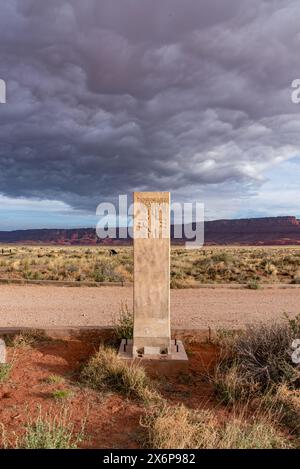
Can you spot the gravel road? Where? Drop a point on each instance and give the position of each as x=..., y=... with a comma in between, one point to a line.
x=46, y=306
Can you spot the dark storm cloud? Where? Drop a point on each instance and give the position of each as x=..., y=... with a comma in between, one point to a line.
x=108, y=96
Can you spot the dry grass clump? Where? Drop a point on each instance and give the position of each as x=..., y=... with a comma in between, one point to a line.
x=54, y=379
x=286, y=403
x=123, y=323
x=256, y=361
x=260, y=434
x=27, y=338
x=105, y=371
x=232, y=386
x=177, y=427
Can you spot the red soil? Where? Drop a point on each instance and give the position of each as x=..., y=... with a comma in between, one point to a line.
x=112, y=421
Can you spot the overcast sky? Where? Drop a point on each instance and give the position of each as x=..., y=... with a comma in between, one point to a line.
x=105, y=97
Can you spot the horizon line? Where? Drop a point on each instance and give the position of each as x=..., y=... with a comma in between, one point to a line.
x=172, y=224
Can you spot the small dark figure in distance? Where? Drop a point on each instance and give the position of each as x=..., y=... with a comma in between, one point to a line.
x=112, y=252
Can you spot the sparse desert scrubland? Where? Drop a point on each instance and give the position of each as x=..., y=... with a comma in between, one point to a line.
x=241, y=265
x=246, y=265
x=241, y=391
x=66, y=263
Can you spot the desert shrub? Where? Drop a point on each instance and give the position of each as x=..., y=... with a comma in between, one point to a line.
x=253, y=285
x=105, y=371
x=123, y=323
x=105, y=272
x=263, y=352
x=51, y=432
x=98, y=275
x=5, y=369
x=255, y=361
x=232, y=385
x=222, y=257
x=177, y=427
x=271, y=269
x=72, y=268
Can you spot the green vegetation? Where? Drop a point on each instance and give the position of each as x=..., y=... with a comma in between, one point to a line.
x=61, y=394
x=51, y=432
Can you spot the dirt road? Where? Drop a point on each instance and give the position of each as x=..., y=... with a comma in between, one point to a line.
x=46, y=306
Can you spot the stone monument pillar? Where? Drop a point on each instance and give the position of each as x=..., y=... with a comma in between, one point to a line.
x=152, y=346
x=151, y=231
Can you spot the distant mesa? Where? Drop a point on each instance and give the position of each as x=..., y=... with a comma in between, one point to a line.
x=254, y=231
x=247, y=231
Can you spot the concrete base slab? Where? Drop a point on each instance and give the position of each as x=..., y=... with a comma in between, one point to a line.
x=173, y=363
